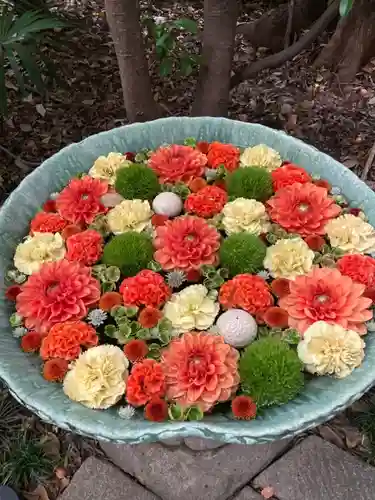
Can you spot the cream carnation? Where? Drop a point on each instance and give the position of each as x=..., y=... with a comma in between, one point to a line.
x=129, y=215
x=38, y=249
x=351, y=234
x=245, y=215
x=261, y=156
x=289, y=258
x=191, y=309
x=98, y=378
x=330, y=350
x=106, y=167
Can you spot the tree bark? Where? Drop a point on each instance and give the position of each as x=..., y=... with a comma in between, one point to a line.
x=352, y=44
x=269, y=30
x=124, y=24
x=212, y=95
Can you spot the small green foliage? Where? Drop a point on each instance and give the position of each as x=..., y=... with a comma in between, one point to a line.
x=291, y=336
x=213, y=278
x=179, y=188
x=242, y=253
x=271, y=372
x=250, y=182
x=154, y=266
x=190, y=141
x=100, y=225
x=137, y=182
x=130, y=252
x=23, y=463
x=10, y=418
x=14, y=276
x=176, y=412
x=15, y=320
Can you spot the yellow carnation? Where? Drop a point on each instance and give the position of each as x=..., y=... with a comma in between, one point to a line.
x=191, y=309
x=289, y=258
x=245, y=215
x=129, y=215
x=98, y=378
x=330, y=350
x=351, y=234
x=38, y=249
x=105, y=167
x=261, y=156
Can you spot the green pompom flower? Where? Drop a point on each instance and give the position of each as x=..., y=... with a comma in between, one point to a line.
x=130, y=252
x=137, y=182
x=250, y=182
x=270, y=372
x=242, y=253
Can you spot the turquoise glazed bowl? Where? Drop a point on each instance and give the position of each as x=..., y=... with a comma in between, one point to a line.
x=322, y=398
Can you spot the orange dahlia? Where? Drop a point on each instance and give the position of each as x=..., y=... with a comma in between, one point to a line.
x=177, y=163
x=80, y=201
x=289, y=174
x=186, y=243
x=302, y=208
x=207, y=202
x=200, y=370
x=326, y=295
x=58, y=292
x=247, y=292
x=64, y=340
x=360, y=268
x=223, y=154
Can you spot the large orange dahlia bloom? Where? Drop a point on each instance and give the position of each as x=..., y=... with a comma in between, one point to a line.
x=58, y=292
x=200, y=370
x=302, y=208
x=186, y=243
x=326, y=295
x=177, y=163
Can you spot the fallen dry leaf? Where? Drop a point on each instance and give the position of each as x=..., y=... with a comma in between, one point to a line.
x=40, y=493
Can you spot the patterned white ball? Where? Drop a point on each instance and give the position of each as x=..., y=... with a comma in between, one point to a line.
x=237, y=327
x=169, y=204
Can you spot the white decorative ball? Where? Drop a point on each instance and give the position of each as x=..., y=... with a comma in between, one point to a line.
x=237, y=327
x=167, y=203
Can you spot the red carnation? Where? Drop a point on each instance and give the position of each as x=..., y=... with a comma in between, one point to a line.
x=276, y=317
x=12, y=292
x=80, y=202
x=31, y=342
x=280, y=287
x=156, y=410
x=149, y=317
x=360, y=268
x=45, y=222
x=54, y=370
x=244, y=408
x=223, y=154
x=208, y=202
x=145, y=381
x=315, y=242
x=85, y=247
x=302, y=208
x=147, y=288
x=135, y=350
x=289, y=174
x=247, y=292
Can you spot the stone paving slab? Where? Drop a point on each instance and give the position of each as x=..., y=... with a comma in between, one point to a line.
x=318, y=470
x=179, y=473
x=248, y=494
x=100, y=480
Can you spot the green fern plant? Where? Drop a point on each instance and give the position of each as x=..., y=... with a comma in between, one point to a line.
x=21, y=38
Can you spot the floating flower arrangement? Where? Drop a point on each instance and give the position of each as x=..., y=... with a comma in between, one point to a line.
x=174, y=280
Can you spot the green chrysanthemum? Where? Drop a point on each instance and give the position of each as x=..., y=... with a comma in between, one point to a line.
x=137, y=182
x=250, y=182
x=242, y=253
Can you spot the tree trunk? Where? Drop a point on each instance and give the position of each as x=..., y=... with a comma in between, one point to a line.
x=269, y=30
x=353, y=43
x=124, y=24
x=212, y=96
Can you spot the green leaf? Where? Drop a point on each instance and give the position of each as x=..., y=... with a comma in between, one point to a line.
x=144, y=334
x=110, y=331
x=108, y=287
x=15, y=320
x=291, y=336
x=16, y=69
x=166, y=66
x=112, y=274
x=118, y=312
x=186, y=24
x=345, y=7
x=175, y=412
x=162, y=39
x=3, y=89
x=194, y=413
x=154, y=266
x=131, y=311
x=186, y=66
x=154, y=351
x=190, y=141
x=30, y=65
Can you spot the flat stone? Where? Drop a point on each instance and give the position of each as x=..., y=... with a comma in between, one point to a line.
x=248, y=494
x=198, y=444
x=172, y=441
x=318, y=470
x=180, y=473
x=97, y=479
